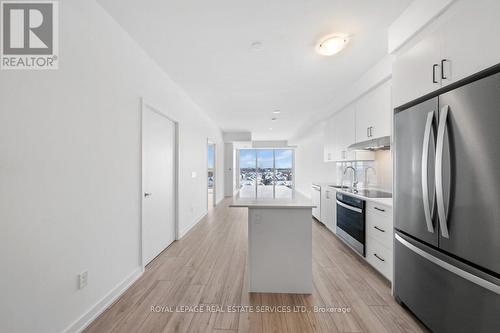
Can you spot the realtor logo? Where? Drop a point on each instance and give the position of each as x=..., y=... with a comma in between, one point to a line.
x=29, y=32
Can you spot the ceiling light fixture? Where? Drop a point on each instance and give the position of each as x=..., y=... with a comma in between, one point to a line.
x=276, y=111
x=332, y=44
x=256, y=46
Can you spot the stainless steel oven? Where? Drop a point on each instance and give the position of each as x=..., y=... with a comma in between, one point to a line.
x=351, y=221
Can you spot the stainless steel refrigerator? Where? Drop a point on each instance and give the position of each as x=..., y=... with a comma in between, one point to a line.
x=447, y=207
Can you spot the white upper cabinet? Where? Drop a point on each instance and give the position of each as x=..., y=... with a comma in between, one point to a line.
x=469, y=35
x=462, y=42
x=414, y=73
x=340, y=134
x=373, y=113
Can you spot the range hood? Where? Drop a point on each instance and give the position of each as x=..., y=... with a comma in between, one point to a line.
x=383, y=143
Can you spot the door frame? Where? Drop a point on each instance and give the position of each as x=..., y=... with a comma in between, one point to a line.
x=146, y=105
x=214, y=190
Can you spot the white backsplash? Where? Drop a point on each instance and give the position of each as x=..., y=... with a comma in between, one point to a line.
x=381, y=178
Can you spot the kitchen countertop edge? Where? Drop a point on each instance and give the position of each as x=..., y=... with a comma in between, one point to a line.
x=382, y=201
x=299, y=201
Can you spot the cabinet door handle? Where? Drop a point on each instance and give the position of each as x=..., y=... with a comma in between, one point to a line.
x=434, y=73
x=368, y=132
x=378, y=257
x=371, y=131
x=442, y=69
x=381, y=230
x=379, y=209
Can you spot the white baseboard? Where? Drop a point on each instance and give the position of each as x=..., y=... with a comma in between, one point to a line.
x=195, y=222
x=86, y=319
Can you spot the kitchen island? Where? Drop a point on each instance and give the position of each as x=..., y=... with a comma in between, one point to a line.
x=279, y=243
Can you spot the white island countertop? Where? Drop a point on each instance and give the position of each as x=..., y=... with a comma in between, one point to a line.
x=294, y=200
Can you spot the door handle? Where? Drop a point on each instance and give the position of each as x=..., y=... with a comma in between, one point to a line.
x=147, y=194
x=442, y=69
x=379, y=209
x=434, y=73
x=381, y=230
x=443, y=223
x=378, y=257
x=368, y=132
x=425, y=165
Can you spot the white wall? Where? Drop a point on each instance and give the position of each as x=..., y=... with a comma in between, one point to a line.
x=418, y=14
x=309, y=165
x=70, y=170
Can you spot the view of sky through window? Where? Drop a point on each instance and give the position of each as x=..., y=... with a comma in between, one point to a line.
x=266, y=172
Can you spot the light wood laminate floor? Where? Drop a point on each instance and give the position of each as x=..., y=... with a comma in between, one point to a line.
x=208, y=266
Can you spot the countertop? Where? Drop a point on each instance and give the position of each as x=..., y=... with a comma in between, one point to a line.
x=324, y=184
x=382, y=201
x=296, y=200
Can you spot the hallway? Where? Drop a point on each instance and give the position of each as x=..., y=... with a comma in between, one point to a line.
x=207, y=267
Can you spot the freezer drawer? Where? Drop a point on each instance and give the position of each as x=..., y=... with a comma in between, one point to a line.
x=447, y=295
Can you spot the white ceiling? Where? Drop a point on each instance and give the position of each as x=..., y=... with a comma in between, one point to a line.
x=205, y=46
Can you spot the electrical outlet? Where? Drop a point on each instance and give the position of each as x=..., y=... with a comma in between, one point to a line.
x=83, y=279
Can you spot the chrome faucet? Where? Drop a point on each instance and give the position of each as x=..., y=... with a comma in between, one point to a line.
x=354, y=182
x=366, y=174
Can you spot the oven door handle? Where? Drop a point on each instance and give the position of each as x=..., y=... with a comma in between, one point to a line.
x=357, y=210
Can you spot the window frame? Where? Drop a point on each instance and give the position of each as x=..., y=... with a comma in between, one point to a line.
x=256, y=167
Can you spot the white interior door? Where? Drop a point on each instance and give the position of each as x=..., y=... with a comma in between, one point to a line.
x=158, y=201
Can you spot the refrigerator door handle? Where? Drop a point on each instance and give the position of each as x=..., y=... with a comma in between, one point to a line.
x=453, y=269
x=425, y=164
x=443, y=223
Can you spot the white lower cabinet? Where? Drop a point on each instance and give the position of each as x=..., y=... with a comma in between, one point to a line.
x=316, y=199
x=379, y=230
x=329, y=207
x=379, y=256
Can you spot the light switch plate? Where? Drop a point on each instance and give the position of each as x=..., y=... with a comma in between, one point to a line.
x=193, y=174
x=83, y=279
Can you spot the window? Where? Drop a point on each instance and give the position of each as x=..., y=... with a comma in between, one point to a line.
x=211, y=164
x=266, y=173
